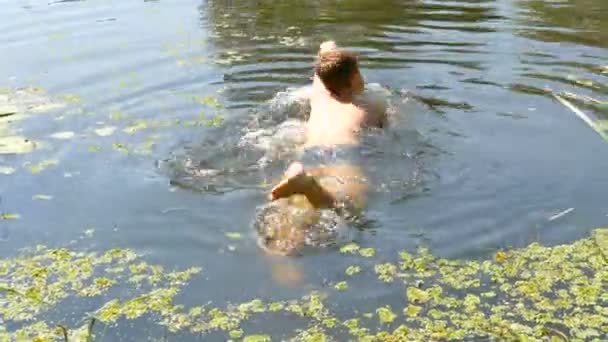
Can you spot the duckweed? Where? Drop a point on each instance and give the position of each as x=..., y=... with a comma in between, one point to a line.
x=352, y=270
x=351, y=248
x=367, y=252
x=533, y=294
x=341, y=286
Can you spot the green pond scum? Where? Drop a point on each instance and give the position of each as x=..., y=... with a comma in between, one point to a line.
x=537, y=293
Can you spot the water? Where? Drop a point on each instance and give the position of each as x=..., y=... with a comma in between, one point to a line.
x=480, y=155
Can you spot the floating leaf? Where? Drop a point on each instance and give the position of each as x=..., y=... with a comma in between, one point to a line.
x=386, y=315
x=341, y=286
x=120, y=147
x=257, y=338
x=501, y=256
x=72, y=98
x=43, y=165
x=9, y=217
x=236, y=333
x=386, y=272
x=367, y=252
x=42, y=197
x=234, y=235
x=352, y=270
x=273, y=307
x=94, y=148
x=416, y=295
x=489, y=294
x=412, y=311
x=136, y=126
x=350, y=248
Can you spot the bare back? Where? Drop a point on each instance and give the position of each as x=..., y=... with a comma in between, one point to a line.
x=333, y=122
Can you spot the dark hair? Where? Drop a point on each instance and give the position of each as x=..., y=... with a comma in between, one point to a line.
x=336, y=69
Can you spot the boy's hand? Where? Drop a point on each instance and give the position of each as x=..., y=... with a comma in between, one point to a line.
x=327, y=46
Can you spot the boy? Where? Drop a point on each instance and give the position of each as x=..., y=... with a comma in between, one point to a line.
x=337, y=115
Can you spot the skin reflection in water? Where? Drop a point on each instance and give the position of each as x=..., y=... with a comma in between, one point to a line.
x=286, y=273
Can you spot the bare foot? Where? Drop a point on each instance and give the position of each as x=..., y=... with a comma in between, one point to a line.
x=296, y=181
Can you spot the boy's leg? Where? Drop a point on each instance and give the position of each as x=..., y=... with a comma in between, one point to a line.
x=323, y=186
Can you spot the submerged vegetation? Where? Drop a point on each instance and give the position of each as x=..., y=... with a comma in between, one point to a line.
x=537, y=293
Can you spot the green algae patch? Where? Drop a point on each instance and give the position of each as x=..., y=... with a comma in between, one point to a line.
x=35, y=283
x=537, y=293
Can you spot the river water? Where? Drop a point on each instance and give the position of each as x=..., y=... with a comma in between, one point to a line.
x=175, y=105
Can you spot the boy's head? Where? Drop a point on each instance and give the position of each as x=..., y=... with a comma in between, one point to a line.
x=339, y=72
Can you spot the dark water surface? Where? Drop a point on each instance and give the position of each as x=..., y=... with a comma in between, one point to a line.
x=481, y=155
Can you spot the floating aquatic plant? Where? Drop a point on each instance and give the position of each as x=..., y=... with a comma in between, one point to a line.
x=533, y=294
x=42, y=165
x=352, y=270
x=9, y=216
